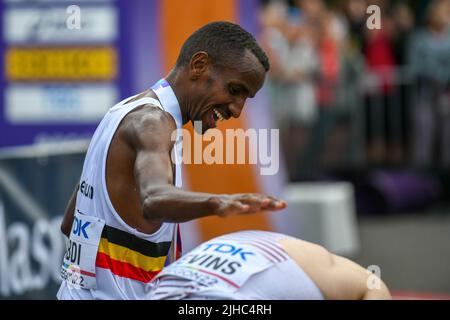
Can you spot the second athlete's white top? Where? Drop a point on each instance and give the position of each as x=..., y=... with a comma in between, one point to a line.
x=247, y=265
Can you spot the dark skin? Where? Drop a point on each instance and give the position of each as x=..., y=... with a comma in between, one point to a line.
x=140, y=174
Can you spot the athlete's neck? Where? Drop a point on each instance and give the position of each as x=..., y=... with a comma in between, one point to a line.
x=175, y=79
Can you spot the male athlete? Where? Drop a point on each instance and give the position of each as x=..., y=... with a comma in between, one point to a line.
x=123, y=217
x=261, y=265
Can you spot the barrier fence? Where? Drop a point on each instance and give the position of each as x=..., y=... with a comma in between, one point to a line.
x=35, y=183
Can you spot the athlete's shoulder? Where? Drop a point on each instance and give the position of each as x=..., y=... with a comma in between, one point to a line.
x=149, y=116
x=149, y=124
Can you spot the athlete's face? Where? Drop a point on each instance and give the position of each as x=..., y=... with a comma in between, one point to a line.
x=221, y=91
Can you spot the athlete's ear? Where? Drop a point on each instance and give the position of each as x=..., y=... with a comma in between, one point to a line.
x=198, y=65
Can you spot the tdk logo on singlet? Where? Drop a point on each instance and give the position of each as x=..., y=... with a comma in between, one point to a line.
x=225, y=258
x=228, y=248
x=79, y=227
x=86, y=190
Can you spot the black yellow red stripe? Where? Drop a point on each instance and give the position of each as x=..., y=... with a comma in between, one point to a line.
x=123, y=269
x=124, y=254
x=129, y=256
x=125, y=239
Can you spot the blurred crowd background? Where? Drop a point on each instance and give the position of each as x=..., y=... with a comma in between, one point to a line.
x=369, y=105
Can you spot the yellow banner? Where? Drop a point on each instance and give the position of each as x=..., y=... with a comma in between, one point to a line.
x=54, y=64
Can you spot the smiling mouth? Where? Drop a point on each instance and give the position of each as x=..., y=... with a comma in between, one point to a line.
x=218, y=116
x=215, y=116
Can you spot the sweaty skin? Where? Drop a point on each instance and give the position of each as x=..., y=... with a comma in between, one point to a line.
x=336, y=277
x=140, y=174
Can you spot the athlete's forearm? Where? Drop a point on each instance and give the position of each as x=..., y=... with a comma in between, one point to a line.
x=171, y=204
x=67, y=221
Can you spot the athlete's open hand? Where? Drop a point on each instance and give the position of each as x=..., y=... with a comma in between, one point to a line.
x=247, y=203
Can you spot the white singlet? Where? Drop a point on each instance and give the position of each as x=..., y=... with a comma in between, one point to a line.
x=246, y=265
x=106, y=258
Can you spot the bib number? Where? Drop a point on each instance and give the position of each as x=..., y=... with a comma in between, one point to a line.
x=78, y=267
x=222, y=265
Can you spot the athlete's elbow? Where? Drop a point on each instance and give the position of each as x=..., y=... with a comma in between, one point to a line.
x=148, y=206
x=154, y=203
x=152, y=207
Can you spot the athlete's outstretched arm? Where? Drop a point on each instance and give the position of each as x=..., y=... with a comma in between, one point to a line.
x=67, y=221
x=150, y=137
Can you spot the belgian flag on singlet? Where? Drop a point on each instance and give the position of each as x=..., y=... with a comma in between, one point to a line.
x=129, y=256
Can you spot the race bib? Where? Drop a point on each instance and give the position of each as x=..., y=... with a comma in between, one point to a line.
x=224, y=265
x=78, y=267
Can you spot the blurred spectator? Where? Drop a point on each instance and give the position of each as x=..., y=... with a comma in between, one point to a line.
x=342, y=94
x=403, y=28
x=289, y=43
x=404, y=23
x=329, y=32
x=355, y=12
x=380, y=62
x=311, y=10
x=430, y=67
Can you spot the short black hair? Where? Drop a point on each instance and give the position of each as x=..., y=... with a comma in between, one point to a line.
x=224, y=42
